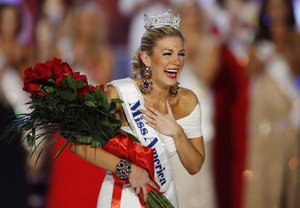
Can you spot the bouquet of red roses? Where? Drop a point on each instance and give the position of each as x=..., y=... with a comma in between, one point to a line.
x=62, y=101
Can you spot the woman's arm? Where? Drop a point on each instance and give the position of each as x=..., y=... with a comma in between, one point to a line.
x=138, y=177
x=191, y=151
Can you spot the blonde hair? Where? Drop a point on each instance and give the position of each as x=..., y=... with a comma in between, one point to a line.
x=148, y=42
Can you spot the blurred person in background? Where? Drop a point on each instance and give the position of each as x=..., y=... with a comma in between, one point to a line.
x=44, y=40
x=151, y=7
x=51, y=24
x=202, y=59
x=14, y=56
x=14, y=188
x=84, y=46
x=231, y=96
x=272, y=175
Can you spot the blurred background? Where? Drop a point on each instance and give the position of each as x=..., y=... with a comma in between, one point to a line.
x=243, y=63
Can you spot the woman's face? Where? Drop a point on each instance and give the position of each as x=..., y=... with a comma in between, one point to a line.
x=87, y=25
x=9, y=22
x=167, y=61
x=277, y=10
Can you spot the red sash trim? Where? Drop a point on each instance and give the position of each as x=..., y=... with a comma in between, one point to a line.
x=123, y=146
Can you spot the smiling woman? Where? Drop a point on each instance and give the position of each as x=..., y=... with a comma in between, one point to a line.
x=162, y=115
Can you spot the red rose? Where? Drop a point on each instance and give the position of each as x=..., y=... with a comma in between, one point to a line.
x=78, y=76
x=53, y=63
x=58, y=81
x=102, y=87
x=83, y=90
x=66, y=68
x=57, y=72
x=41, y=72
x=28, y=75
x=41, y=94
x=31, y=87
x=60, y=71
x=94, y=88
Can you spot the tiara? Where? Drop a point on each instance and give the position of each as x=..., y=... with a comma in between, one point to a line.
x=164, y=19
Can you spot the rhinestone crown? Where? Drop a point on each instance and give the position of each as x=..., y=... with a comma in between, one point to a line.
x=164, y=19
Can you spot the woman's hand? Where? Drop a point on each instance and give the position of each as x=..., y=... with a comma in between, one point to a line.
x=139, y=179
x=164, y=123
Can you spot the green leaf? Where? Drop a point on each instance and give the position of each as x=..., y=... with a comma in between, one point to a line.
x=64, y=83
x=30, y=140
x=112, y=106
x=67, y=95
x=50, y=89
x=117, y=100
x=71, y=82
x=88, y=97
x=95, y=143
x=99, y=96
x=90, y=103
x=79, y=84
x=83, y=139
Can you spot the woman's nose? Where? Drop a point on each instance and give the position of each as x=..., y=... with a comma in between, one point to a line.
x=176, y=60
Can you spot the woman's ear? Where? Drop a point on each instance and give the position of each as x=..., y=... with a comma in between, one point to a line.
x=145, y=58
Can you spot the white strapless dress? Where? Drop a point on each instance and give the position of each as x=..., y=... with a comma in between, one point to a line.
x=192, y=127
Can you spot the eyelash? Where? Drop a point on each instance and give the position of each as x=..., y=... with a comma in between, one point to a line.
x=169, y=54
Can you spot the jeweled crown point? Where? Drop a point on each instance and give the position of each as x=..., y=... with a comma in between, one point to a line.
x=165, y=19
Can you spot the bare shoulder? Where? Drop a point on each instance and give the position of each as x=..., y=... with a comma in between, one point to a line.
x=186, y=102
x=188, y=97
x=111, y=92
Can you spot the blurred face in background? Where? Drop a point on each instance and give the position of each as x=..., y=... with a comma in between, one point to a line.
x=9, y=22
x=277, y=11
x=191, y=17
x=90, y=24
x=191, y=27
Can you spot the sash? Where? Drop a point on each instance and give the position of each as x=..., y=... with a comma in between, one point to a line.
x=133, y=100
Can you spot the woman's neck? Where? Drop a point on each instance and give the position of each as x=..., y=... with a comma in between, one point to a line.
x=157, y=97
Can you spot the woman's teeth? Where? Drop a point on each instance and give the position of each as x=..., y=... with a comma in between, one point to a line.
x=171, y=73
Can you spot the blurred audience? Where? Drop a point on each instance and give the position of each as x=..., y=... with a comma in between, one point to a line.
x=273, y=149
x=231, y=104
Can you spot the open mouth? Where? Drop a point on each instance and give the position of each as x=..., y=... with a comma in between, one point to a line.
x=171, y=73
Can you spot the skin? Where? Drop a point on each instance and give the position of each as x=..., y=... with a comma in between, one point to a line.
x=161, y=112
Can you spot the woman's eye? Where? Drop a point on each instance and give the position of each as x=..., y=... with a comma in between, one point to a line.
x=167, y=54
x=182, y=54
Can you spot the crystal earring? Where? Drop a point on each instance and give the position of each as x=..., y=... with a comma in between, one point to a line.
x=146, y=85
x=174, y=89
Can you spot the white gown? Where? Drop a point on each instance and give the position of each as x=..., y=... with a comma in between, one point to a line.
x=192, y=128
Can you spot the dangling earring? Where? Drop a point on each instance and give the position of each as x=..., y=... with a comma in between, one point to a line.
x=146, y=85
x=174, y=89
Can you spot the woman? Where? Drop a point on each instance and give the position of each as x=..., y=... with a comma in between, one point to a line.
x=14, y=187
x=273, y=126
x=85, y=45
x=170, y=120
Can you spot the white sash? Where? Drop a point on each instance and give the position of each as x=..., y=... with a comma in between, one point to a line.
x=133, y=101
